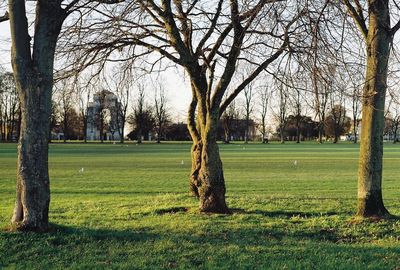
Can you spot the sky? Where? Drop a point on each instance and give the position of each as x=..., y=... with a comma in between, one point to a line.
x=176, y=86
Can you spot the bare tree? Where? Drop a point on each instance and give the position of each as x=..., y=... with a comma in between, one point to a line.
x=33, y=72
x=9, y=108
x=83, y=92
x=208, y=40
x=282, y=110
x=121, y=81
x=248, y=108
x=160, y=106
x=139, y=113
x=393, y=114
x=264, y=98
x=65, y=100
x=228, y=119
x=374, y=26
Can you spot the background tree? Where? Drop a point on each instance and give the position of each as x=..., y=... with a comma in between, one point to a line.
x=9, y=108
x=229, y=121
x=142, y=118
x=64, y=97
x=160, y=109
x=281, y=114
x=84, y=91
x=264, y=99
x=121, y=82
x=337, y=123
x=102, y=114
x=248, y=108
x=392, y=118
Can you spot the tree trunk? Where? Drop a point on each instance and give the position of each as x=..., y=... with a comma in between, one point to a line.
x=211, y=177
x=370, y=202
x=320, y=134
x=281, y=134
x=159, y=134
x=33, y=188
x=139, y=136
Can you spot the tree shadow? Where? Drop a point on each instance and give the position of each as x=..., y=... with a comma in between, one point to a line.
x=288, y=214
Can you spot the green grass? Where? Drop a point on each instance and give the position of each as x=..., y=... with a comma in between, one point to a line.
x=130, y=209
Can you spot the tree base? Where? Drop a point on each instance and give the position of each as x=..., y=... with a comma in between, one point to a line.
x=214, y=205
x=372, y=207
x=27, y=227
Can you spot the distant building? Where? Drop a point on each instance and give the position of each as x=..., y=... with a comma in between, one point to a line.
x=103, y=111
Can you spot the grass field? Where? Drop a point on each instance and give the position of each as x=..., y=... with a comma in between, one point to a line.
x=130, y=209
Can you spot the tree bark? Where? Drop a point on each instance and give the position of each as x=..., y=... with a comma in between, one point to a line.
x=370, y=202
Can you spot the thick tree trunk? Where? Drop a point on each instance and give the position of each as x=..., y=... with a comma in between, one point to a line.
x=33, y=188
x=211, y=177
x=370, y=202
x=33, y=73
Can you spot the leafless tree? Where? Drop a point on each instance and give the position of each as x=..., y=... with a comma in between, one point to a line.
x=373, y=20
x=160, y=107
x=281, y=114
x=121, y=82
x=9, y=108
x=248, y=108
x=139, y=112
x=64, y=97
x=209, y=40
x=33, y=71
x=84, y=89
x=264, y=94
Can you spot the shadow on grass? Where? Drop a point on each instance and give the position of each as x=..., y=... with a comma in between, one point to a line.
x=291, y=214
x=160, y=248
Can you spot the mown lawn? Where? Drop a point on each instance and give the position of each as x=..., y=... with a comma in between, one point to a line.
x=130, y=209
